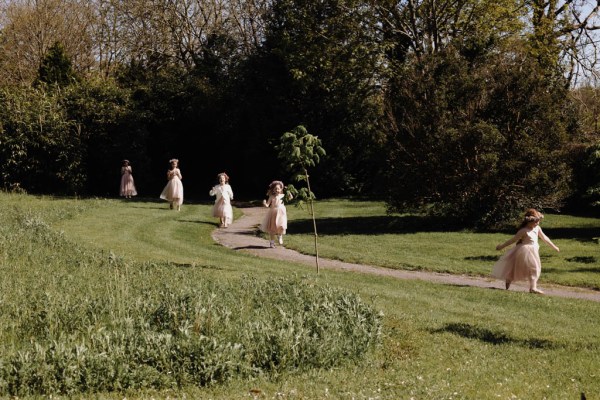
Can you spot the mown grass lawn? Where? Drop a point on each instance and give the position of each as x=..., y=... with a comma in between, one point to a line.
x=439, y=341
x=362, y=232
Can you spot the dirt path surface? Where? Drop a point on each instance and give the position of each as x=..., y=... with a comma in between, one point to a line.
x=241, y=236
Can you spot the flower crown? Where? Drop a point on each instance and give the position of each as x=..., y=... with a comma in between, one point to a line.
x=533, y=218
x=275, y=183
x=172, y=160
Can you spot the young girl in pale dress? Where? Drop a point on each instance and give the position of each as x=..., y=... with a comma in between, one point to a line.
x=127, y=185
x=222, y=208
x=173, y=191
x=522, y=262
x=275, y=221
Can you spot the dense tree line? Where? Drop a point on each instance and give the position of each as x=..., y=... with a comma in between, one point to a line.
x=469, y=108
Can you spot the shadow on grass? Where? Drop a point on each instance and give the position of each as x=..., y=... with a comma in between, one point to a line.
x=485, y=335
x=585, y=235
x=591, y=269
x=213, y=224
x=375, y=225
x=482, y=258
x=251, y=247
x=583, y=260
x=382, y=224
x=194, y=265
x=157, y=200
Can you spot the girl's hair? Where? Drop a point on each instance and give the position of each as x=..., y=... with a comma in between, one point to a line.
x=225, y=175
x=125, y=162
x=174, y=160
x=272, y=187
x=531, y=215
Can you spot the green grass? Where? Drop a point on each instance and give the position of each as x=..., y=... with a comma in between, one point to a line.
x=362, y=232
x=439, y=341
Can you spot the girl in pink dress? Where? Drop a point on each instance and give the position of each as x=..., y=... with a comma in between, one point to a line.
x=275, y=221
x=127, y=185
x=522, y=262
x=173, y=192
x=222, y=208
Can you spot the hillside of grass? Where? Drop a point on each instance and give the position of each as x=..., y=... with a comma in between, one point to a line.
x=151, y=288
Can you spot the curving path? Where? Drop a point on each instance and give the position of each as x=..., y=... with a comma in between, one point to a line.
x=241, y=236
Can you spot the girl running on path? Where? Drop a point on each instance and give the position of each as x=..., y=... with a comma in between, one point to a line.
x=275, y=221
x=173, y=191
x=222, y=208
x=523, y=261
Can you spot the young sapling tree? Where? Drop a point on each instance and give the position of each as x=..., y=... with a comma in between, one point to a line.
x=299, y=151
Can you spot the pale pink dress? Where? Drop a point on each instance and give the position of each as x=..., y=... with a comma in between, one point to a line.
x=127, y=185
x=522, y=262
x=222, y=207
x=173, y=191
x=275, y=221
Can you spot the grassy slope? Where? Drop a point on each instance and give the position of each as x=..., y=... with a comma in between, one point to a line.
x=440, y=341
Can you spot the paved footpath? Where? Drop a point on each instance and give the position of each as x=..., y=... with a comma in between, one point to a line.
x=241, y=236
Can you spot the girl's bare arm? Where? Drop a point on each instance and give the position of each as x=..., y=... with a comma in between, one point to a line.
x=546, y=239
x=512, y=240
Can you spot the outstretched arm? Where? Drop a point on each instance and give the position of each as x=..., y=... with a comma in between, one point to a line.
x=519, y=235
x=546, y=239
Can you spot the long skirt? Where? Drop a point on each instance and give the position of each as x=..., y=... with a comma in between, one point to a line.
x=223, y=209
x=522, y=262
x=127, y=186
x=173, y=191
x=275, y=221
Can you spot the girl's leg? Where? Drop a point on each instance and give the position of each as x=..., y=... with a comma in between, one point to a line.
x=533, y=286
x=280, y=239
x=507, y=284
x=272, y=241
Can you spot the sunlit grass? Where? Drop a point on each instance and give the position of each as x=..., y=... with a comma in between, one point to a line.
x=439, y=341
x=362, y=232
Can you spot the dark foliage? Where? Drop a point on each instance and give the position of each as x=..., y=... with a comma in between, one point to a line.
x=478, y=140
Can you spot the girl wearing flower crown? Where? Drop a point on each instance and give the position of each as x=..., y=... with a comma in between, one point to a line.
x=522, y=262
x=275, y=222
x=224, y=194
x=173, y=191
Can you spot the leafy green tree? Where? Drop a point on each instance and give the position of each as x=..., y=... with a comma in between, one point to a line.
x=56, y=67
x=111, y=129
x=584, y=151
x=592, y=162
x=298, y=151
x=40, y=146
x=478, y=139
x=327, y=54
